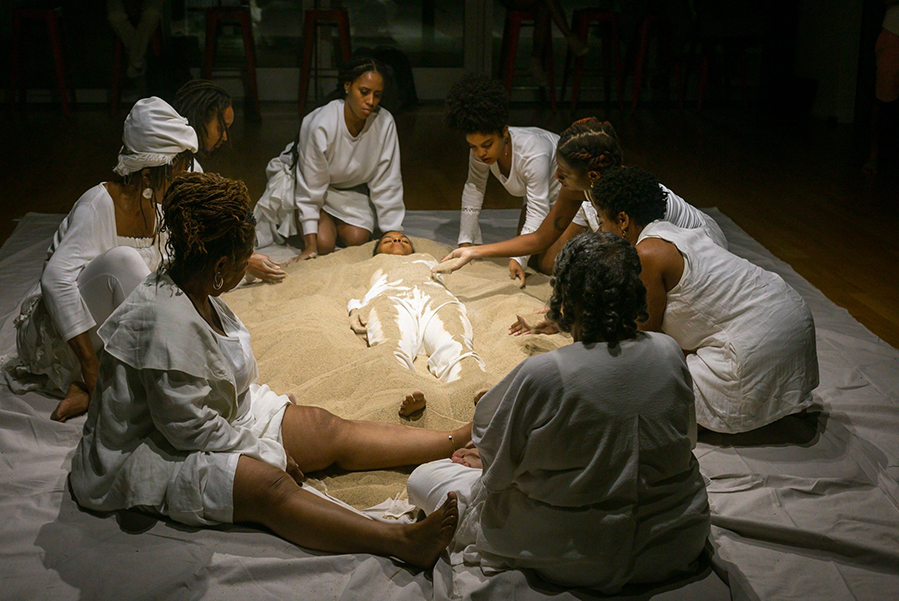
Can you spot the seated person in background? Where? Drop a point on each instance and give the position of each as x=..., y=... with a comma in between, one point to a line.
x=749, y=338
x=408, y=307
x=179, y=427
x=586, y=470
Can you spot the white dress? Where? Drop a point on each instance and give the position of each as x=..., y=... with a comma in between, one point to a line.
x=678, y=211
x=750, y=336
x=337, y=173
x=532, y=177
x=57, y=309
x=588, y=476
x=174, y=408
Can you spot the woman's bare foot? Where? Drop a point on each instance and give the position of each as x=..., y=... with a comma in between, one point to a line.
x=76, y=402
x=469, y=456
x=422, y=543
x=413, y=405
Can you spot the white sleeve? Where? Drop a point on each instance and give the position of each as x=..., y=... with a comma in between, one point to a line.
x=537, y=172
x=386, y=188
x=313, y=176
x=473, y=200
x=81, y=243
x=180, y=406
x=581, y=218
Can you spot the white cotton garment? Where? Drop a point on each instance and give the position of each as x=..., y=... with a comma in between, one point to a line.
x=588, y=474
x=532, y=177
x=275, y=211
x=55, y=309
x=168, y=421
x=749, y=335
x=331, y=161
x=678, y=211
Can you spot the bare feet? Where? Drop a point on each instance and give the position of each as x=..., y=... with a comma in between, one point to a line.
x=468, y=456
x=76, y=402
x=423, y=542
x=413, y=405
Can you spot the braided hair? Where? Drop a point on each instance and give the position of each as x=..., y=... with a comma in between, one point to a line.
x=596, y=283
x=207, y=217
x=200, y=100
x=591, y=145
x=632, y=191
x=477, y=104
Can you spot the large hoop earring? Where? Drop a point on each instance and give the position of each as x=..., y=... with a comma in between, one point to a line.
x=218, y=282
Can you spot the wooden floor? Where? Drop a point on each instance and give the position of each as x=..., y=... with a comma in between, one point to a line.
x=796, y=188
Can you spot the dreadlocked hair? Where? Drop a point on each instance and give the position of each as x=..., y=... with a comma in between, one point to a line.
x=207, y=217
x=630, y=190
x=199, y=101
x=477, y=104
x=591, y=145
x=596, y=282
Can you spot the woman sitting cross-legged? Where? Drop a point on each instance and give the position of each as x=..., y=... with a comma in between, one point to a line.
x=179, y=427
x=749, y=338
x=583, y=464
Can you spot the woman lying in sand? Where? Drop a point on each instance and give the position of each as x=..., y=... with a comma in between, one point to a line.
x=179, y=427
x=408, y=307
x=585, y=470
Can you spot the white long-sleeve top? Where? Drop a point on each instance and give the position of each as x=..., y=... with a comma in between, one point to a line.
x=532, y=177
x=329, y=156
x=87, y=231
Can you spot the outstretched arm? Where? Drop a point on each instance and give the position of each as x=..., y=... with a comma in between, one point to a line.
x=556, y=222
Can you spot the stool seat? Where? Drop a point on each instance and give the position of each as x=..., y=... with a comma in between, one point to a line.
x=312, y=19
x=51, y=18
x=515, y=19
x=241, y=14
x=581, y=22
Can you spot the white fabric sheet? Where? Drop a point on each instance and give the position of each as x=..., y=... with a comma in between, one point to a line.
x=801, y=516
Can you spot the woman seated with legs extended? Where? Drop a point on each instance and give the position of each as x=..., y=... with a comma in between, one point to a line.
x=179, y=427
x=586, y=470
x=104, y=247
x=749, y=338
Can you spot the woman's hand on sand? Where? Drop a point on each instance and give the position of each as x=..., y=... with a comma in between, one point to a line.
x=303, y=256
x=456, y=259
x=516, y=272
x=263, y=267
x=523, y=326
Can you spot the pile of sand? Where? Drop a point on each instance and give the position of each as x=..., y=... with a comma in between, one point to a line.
x=304, y=345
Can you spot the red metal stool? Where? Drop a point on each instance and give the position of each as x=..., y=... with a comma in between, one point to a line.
x=311, y=20
x=707, y=48
x=649, y=24
x=50, y=18
x=240, y=14
x=515, y=19
x=581, y=22
x=118, y=66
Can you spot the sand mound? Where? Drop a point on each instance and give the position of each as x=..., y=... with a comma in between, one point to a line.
x=304, y=345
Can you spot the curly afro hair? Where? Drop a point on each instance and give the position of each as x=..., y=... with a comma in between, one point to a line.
x=630, y=190
x=477, y=104
x=596, y=283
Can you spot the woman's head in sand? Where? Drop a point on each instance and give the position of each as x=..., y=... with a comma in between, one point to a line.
x=626, y=200
x=211, y=230
x=597, y=292
x=360, y=83
x=207, y=107
x=478, y=106
x=394, y=243
x=585, y=151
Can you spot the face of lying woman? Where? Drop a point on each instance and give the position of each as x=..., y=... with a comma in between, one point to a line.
x=394, y=243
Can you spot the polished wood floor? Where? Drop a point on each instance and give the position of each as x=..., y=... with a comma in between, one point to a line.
x=794, y=186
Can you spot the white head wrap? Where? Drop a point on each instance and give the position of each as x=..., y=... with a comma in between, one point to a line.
x=154, y=135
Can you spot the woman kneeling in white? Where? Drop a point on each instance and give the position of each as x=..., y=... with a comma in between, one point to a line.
x=179, y=427
x=104, y=248
x=587, y=471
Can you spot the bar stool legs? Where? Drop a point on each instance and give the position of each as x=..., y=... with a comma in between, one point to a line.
x=311, y=20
